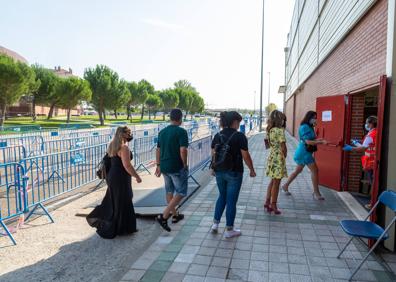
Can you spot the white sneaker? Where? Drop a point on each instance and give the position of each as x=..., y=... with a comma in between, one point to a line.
x=232, y=233
x=214, y=228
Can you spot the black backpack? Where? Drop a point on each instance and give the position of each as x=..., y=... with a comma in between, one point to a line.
x=222, y=158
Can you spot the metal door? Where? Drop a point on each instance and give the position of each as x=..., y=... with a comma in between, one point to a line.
x=331, y=121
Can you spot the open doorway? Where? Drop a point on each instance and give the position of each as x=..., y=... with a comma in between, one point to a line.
x=359, y=181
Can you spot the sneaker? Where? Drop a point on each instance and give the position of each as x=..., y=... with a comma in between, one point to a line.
x=232, y=233
x=215, y=228
x=163, y=222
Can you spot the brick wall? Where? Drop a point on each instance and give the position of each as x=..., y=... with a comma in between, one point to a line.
x=357, y=122
x=358, y=61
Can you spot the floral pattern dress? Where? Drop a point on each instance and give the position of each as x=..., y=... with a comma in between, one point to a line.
x=276, y=164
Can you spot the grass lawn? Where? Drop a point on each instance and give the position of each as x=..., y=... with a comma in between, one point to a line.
x=60, y=120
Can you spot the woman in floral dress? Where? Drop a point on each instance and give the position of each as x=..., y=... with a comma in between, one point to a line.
x=276, y=165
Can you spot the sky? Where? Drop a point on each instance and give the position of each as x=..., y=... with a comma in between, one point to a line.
x=214, y=44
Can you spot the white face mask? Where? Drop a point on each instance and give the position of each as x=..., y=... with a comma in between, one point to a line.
x=367, y=127
x=312, y=121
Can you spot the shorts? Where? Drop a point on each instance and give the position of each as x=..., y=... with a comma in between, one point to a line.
x=176, y=183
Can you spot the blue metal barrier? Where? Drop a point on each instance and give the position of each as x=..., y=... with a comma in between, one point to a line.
x=144, y=149
x=12, y=191
x=13, y=153
x=199, y=155
x=51, y=175
x=32, y=143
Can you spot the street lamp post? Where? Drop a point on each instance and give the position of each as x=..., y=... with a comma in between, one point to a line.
x=261, y=81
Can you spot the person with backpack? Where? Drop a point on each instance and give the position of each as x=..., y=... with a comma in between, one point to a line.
x=229, y=150
x=276, y=164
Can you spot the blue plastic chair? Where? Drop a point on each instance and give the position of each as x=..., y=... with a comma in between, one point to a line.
x=369, y=230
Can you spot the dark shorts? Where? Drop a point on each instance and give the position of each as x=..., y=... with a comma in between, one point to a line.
x=176, y=183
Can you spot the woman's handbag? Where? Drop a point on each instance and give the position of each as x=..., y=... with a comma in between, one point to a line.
x=103, y=167
x=311, y=148
x=266, y=143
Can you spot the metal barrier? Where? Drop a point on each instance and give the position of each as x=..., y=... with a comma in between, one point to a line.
x=12, y=191
x=144, y=149
x=199, y=155
x=11, y=154
x=60, y=145
x=27, y=185
x=32, y=143
x=51, y=175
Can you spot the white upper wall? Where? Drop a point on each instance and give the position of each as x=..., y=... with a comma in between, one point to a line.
x=317, y=27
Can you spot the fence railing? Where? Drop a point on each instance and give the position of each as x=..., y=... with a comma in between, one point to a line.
x=27, y=181
x=12, y=194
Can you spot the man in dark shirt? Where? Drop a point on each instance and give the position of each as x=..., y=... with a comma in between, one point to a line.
x=172, y=158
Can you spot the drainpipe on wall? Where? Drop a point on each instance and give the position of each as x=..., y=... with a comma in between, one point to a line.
x=390, y=137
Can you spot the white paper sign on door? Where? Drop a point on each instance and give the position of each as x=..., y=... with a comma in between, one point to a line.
x=327, y=116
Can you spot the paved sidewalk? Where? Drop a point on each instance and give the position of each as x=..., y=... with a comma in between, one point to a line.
x=299, y=245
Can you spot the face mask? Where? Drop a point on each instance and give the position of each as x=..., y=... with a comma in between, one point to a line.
x=129, y=138
x=367, y=127
x=312, y=121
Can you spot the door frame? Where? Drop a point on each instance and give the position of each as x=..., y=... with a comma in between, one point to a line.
x=378, y=145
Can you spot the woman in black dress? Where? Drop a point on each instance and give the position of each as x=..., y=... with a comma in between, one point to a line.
x=116, y=215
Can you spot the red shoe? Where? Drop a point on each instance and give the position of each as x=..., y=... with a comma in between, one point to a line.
x=274, y=208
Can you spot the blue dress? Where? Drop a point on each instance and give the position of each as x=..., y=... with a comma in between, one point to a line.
x=302, y=156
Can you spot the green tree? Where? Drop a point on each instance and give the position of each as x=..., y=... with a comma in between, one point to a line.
x=269, y=108
x=16, y=79
x=72, y=91
x=145, y=89
x=45, y=94
x=133, y=95
x=153, y=103
x=119, y=95
x=100, y=79
x=197, y=106
x=186, y=93
x=170, y=100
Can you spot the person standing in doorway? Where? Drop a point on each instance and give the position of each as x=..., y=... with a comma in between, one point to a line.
x=172, y=156
x=276, y=164
x=368, y=147
x=229, y=150
x=304, y=154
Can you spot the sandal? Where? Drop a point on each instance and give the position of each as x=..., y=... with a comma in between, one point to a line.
x=163, y=222
x=176, y=218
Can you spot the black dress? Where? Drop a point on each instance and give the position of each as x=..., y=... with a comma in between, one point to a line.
x=115, y=215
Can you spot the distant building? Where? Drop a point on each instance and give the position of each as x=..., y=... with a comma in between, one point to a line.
x=24, y=106
x=12, y=54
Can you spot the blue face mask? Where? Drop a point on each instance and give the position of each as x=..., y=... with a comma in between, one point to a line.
x=367, y=127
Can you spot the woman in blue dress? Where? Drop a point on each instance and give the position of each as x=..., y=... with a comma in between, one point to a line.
x=304, y=154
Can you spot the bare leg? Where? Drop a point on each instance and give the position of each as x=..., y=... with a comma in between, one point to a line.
x=315, y=181
x=172, y=205
x=275, y=190
x=296, y=172
x=269, y=188
x=169, y=198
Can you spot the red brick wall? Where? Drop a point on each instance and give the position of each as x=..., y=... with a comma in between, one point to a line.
x=289, y=115
x=358, y=61
x=357, y=122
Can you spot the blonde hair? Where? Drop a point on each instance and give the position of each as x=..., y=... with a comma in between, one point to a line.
x=276, y=119
x=117, y=141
